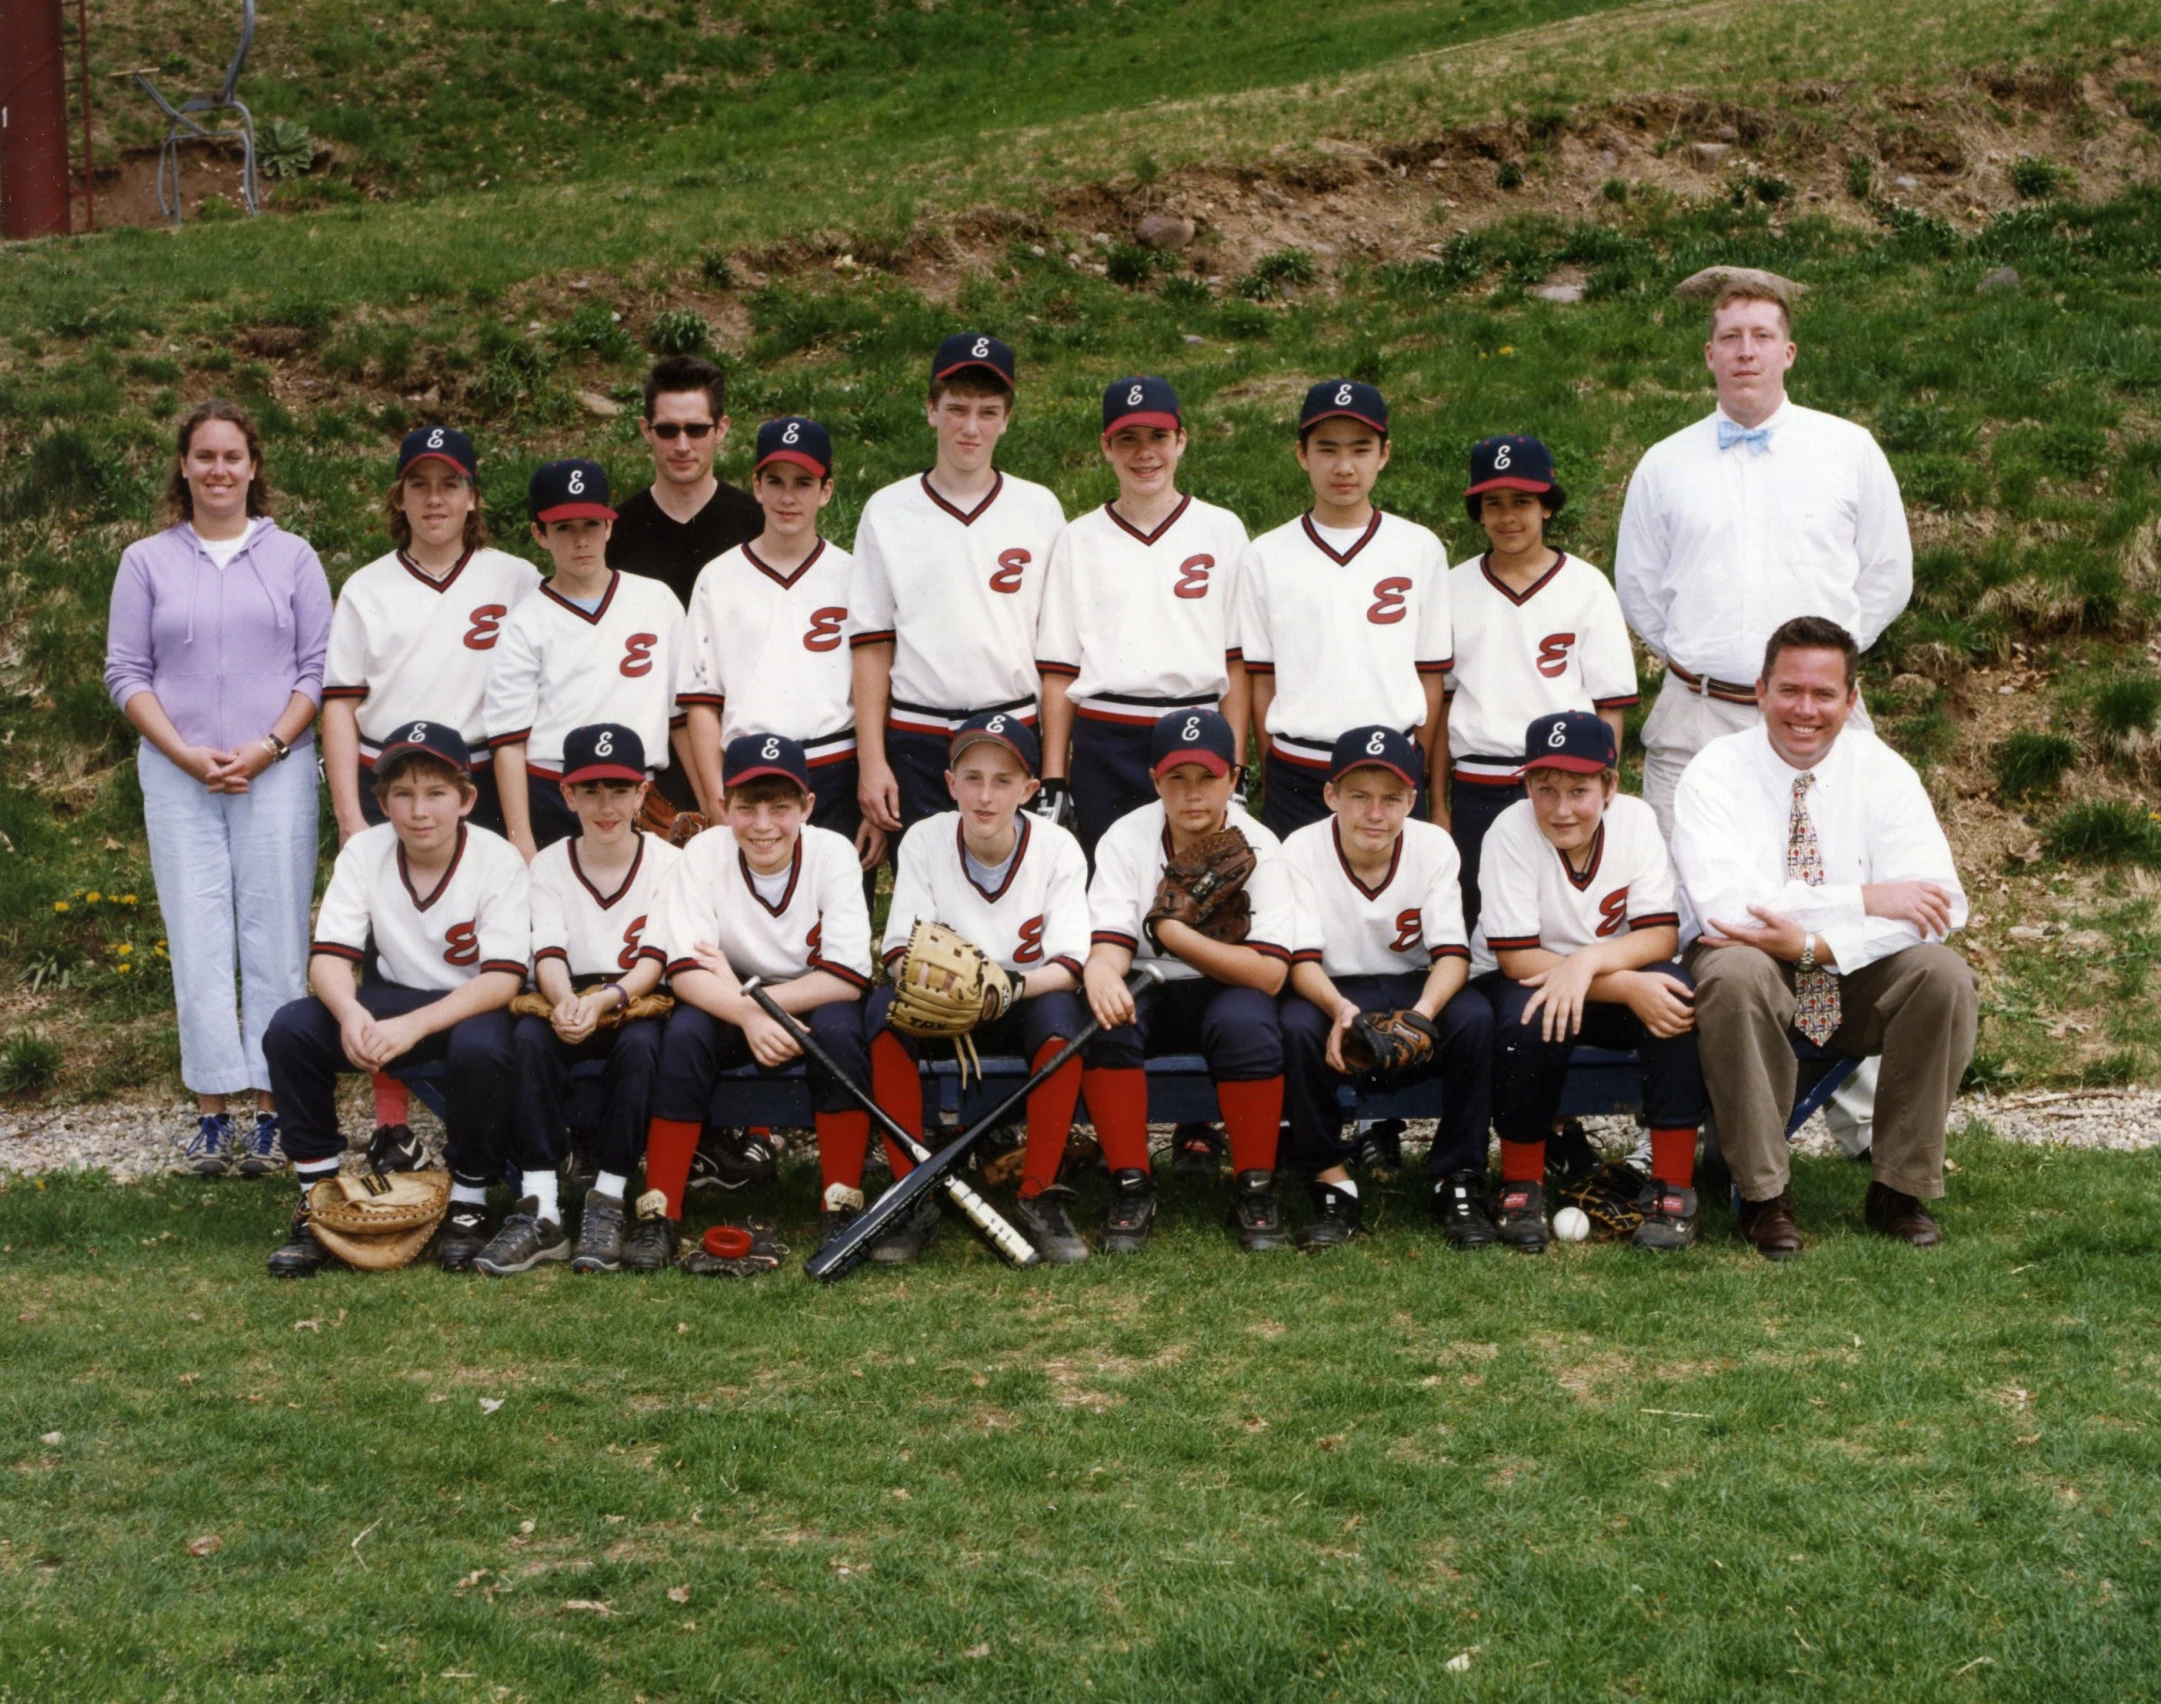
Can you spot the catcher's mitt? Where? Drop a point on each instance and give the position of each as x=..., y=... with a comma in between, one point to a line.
x=533, y=1004
x=1380, y=1046
x=376, y=1223
x=1611, y=1196
x=944, y=986
x=659, y=816
x=735, y=1251
x=1204, y=887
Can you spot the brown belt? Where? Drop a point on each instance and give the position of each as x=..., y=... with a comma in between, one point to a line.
x=1720, y=689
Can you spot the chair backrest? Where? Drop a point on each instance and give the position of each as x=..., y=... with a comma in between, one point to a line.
x=240, y=54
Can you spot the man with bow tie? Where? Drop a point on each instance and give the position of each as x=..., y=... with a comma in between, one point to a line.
x=1817, y=890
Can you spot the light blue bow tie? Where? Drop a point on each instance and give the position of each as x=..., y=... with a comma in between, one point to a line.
x=1757, y=438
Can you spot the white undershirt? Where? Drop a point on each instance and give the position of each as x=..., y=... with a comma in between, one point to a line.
x=221, y=551
x=770, y=888
x=1339, y=539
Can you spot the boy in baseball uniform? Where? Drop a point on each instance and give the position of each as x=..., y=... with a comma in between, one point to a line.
x=1380, y=928
x=1343, y=613
x=1139, y=618
x=595, y=896
x=1576, y=947
x=591, y=645
x=761, y=893
x=1016, y=886
x=443, y=904
x=1216, y=998
x=947, y=587
x=1537, y=631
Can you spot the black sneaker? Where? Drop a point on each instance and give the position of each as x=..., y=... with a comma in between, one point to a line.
x=909, y=1235
x=651, y=1245
x=733, y=1159
x=1669, y=1218
x=580, y=1166
x=1130, y=1214
x=1519, y=1211
x=1337, y=1217
x=1459, y=1208
x=1048, y=1223
x=600, y=1234
x=394, y=1148
x=1380, y=1149
x=463, y=1236
x=524, y=1241
x=1255, y=1213
x=1197, y=1150
x=300, y=1255
x=838, y=1211
x=1569, y=1152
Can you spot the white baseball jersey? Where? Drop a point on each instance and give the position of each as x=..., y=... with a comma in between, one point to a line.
x=1143, y=622
x=1533, y=898
x=957, y=592
x=1129, y=867
x=1037, y=916
x=475, y=920
x=767, y=649
x=410, y=648
x=1413, y=919
x=558, y=667
x=1559, y=645
x=1347, y=635
x=819, y=922
x=597, y=934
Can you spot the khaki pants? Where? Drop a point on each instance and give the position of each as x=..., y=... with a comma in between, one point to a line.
x=1917, y=1008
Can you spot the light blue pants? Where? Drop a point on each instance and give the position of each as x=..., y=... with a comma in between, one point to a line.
x=232, y=869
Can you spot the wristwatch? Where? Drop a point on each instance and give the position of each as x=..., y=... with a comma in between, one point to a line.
x=1808, y=953
x=278, y=749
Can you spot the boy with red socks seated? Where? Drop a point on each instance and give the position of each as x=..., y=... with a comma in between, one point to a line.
x=1576, y=946
x=1216, y=997
x=761, y=893
x=1016, y=885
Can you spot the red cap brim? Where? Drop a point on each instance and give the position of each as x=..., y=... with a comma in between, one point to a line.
x=1208, y=760
x=730, y=782
x=1410, y=781
x=801, y=458
x=1146, y=417
x=435, y=455
x=995, y=371
x=1574, y=765
x=1343, y=414
x=603, y=772
x=983, y=736
x=1508, y=482
x=389, y=755
x=576, y=512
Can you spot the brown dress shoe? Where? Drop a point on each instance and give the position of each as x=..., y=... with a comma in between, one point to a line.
x=1902, y=1217
x=1769, y=1227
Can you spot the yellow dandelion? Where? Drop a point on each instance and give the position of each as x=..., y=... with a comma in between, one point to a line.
x=124, y=948
x=93, y=896
x=1506, y=349
x=122, y=968
x=127, y=899
x=60, y=905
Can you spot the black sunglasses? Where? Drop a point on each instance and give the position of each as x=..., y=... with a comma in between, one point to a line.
x=668, y=430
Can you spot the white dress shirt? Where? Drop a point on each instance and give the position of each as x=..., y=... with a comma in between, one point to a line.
x=1873, y=821
x=1719, y=548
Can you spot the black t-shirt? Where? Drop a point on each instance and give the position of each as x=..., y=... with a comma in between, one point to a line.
x=647, y=541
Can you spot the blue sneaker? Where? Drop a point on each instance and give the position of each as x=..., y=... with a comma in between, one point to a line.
x=209, y=1152
x=259, y=1152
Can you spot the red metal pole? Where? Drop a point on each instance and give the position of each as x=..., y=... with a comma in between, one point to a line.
x=33, y=121
x=90, y=159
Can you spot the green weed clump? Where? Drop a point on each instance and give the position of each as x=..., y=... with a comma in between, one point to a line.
x=2127, y=704
x=2031, y=761
x=680, y=331
x=2106, y=831
x=1275, y=275
x=28, y=1062
x=2036, y=178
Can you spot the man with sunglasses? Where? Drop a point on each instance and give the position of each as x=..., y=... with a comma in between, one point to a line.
x=686, y=517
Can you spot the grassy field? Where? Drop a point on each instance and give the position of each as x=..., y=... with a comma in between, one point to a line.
x=1870, y=1474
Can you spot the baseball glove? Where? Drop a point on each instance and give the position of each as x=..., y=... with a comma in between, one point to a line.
x=1611, y=1196
x=735, y=1251
x=1204, y=887
x=532, y=1004
x=376, y=1223
x=1381, y=1046
x=659, y=816
x=944, y=986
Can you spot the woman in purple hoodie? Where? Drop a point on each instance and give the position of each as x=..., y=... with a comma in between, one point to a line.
x=214, y=652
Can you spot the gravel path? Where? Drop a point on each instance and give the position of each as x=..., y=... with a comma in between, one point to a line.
x=131, y=1140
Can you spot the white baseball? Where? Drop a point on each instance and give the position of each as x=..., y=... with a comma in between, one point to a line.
x=1571, y=1224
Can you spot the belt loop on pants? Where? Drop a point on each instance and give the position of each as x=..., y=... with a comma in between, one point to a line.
x=1704, y=687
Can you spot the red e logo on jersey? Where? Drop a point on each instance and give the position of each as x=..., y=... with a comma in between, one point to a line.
x=1613, y=913
x=1388, y=605
x=638, y=654
x=461, y=944
x=1410, y=930
x=1553, y=654
x=1010, y=564
x=486, y=618
x=633, y=938
x=816, y=937
x=824, y=634
x=1193, y=577
x=1030, y=950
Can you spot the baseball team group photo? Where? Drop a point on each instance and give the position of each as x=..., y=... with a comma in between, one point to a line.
x=1496, y=782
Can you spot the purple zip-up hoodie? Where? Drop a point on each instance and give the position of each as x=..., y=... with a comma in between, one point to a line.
x=223, y=649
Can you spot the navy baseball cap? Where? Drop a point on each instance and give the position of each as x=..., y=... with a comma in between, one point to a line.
x=966, y=349
x=1574, y=740
x=1512, y=464
x=1376, y=747
x=1141, y=401
x=1345, y=399
x=795, y=438
x=438, y=443
x=603, y=751
x=751, y=755
x=436, y=739
x=1192, y=736
x=999, y=727
x=569, y=491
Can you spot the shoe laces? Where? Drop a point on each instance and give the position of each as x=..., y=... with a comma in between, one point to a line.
x=212, y=1132
x=262, y=1141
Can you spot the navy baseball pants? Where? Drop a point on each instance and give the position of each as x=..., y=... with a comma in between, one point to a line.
x=1022, y=1031
x=630, y=1061
x=1235, y=1029
x=1529, y=1071
x=1109, y=775
x=698, y=1047
x=1473, y=807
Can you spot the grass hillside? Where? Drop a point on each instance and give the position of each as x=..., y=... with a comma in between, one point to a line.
x=502, y=226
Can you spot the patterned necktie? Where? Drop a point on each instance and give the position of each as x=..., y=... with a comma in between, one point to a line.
x=1730, y=433
x=1815, y=992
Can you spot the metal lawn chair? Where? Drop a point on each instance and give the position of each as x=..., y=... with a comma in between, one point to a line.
x=185, y=123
